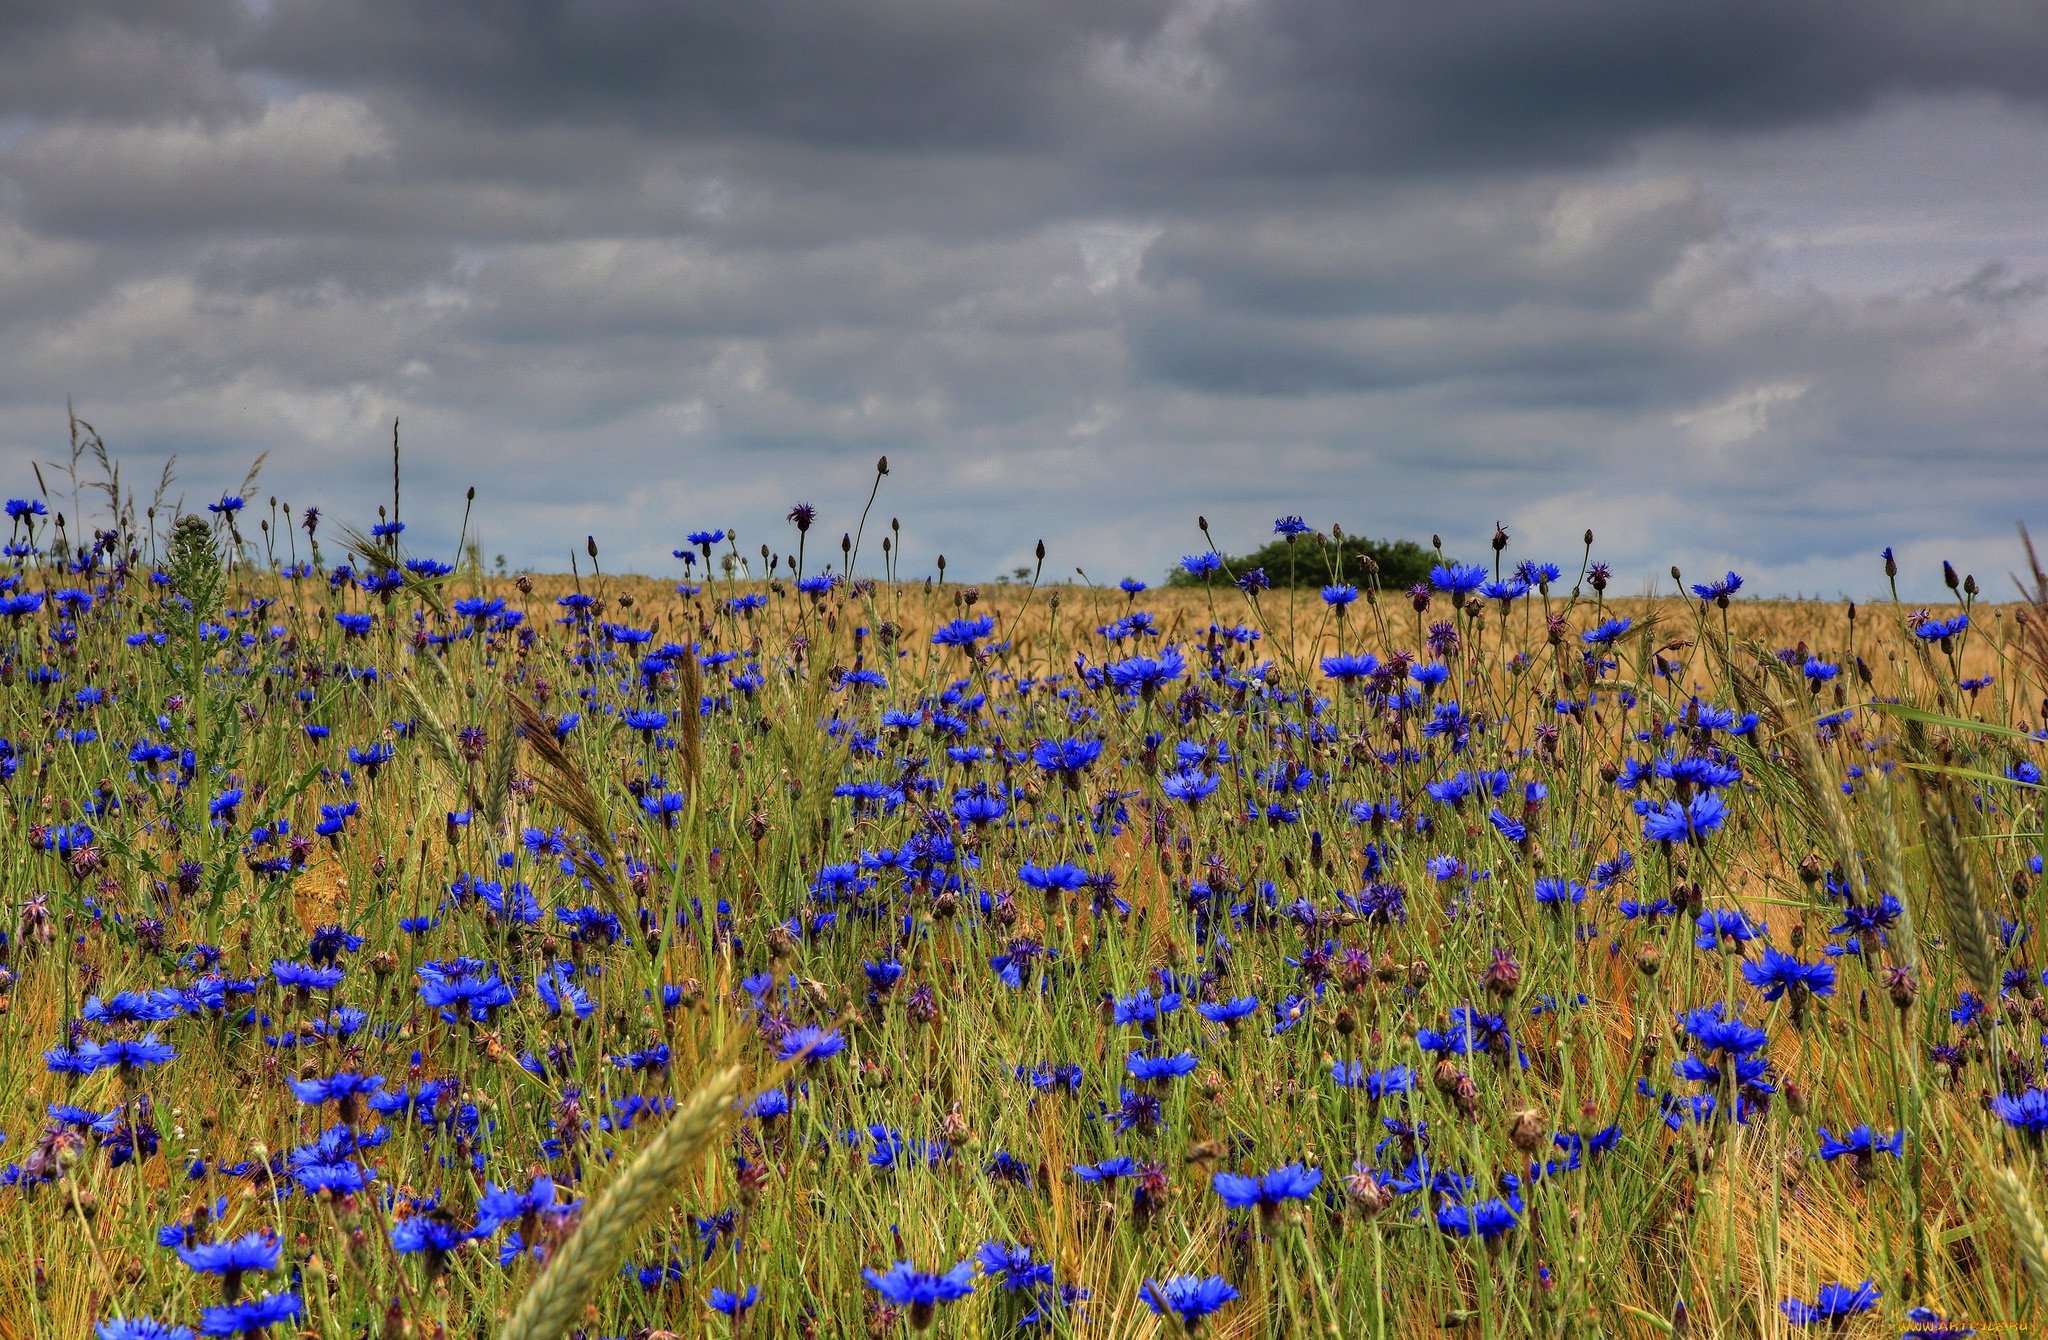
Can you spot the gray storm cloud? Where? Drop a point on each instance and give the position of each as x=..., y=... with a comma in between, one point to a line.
x=1752, y=286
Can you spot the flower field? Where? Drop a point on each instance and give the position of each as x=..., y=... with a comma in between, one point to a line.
x=796, y=946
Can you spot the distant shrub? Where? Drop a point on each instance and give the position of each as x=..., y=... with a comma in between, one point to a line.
x=1315, y=560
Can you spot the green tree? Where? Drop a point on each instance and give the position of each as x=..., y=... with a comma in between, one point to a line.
x=1318, y=560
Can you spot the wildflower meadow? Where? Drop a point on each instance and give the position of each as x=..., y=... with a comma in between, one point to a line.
x=797, y=944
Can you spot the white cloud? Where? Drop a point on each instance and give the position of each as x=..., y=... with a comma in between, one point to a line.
x=1738, y=417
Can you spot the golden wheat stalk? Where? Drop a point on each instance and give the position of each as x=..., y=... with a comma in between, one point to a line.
x=555, y=1301
x=565, y=786
x=2028, y=1232
x=490, y=802
x=498, y=769
x=1970, y=926
x=1823, y=800
x=689, y=725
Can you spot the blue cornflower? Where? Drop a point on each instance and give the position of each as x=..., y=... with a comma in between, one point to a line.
x=253, y=1251
x=1291, y=526
x=733, y=1304
x=1724, y=926
x=1834, y=1302
x=812, y=1043
x=769, y=1105
x=1146, y=674
x=1123, y=1165
x=1861, y=1144
x=1559, y=893
x=232, y=1260
x=1457, y=578
x=139, y=1054
x=976, y=806
x=479, y=607
x=430, y=1234
x=1063, y=877
x=502, y=1205
x=904, y=1285
x=964, y=632
x=1191, y=1297
x=249, y=1316
x=1712, y=1029
x=372, y=757
x=1292, y=1182
x=1469, y=1031
x=464, y=990
x=1776, y=973
x=1707, y=774
x=1685, y=821
x=1484, y=1219
x=1189, y=785
x=128, y=1007
x=138, y=1328
x=1721, y=590
x=1068, y=758
x=1345, y=669
x=1228, y=1012
x=1340, y=595
x=344, y=1090
x=561, y=994
x=1013, y=1263
x=1159, y=1068
x=335, y=1179
x=1201, y=565
x=2026, y=1111
x=1941, y=630
x=1142, y=1009
x=1376, y=1083
x=1607, y=632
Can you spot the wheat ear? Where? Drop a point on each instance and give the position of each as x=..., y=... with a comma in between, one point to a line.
x=1970, y=924
x=2029, y=1234
x=554, y=1301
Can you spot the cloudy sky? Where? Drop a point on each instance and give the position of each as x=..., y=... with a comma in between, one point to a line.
x=1755, y=285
